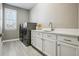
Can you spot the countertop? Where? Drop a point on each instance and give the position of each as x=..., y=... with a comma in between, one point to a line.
x=71, y=32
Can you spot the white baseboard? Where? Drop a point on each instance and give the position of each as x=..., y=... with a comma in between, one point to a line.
x=10, y=40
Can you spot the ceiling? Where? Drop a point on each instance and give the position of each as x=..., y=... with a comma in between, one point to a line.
x=23, y=5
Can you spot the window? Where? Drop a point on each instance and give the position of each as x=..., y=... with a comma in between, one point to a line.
x=10, y=19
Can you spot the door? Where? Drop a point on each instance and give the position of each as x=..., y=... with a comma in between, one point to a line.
x=49, y=47
x=10, y=23
x=64, y=49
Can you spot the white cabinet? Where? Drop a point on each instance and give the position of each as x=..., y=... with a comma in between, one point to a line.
x=49, y=44
x=68, y=39
x=55, y=44
x=64, y=49
x=33, y=41
x=36, y=40
x=49, y=47
x=33, y=38
x=39, y=44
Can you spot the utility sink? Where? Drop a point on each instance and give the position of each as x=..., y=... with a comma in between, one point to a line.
x=48, y=30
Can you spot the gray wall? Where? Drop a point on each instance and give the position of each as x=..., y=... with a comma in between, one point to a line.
x=22, y=16
x=78, y=15
x=0, y=18
x=62, y=15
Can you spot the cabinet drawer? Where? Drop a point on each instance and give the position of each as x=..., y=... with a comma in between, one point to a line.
x=68, y=39
x=64, y=49
x=49, y=36
x=36, y=34
x=32, y=34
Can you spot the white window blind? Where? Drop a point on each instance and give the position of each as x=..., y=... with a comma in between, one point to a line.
x=10, y=19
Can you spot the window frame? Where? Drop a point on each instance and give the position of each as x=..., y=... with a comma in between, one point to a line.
x=5, y=24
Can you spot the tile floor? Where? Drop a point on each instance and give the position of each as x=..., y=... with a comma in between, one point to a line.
x=17, y=48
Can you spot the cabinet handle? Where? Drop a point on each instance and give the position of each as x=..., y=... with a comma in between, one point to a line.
x=42, y=38
x=78, y=38
x=48, y=35
x=58, y=44
x=67, y=40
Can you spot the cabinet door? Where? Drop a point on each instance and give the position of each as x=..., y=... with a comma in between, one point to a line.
x=0, y=40
x=78, y=51
x=36, y=40
x=64, y=49
x=33, y=42
x=33, y=34
x=39, y=44
x=49, y=47
x=33, y=38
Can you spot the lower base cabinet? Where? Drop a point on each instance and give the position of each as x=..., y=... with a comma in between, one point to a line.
x=39, y=44
x=55, y=45
x=33, y=42
x=49, y=47
x=64, y=49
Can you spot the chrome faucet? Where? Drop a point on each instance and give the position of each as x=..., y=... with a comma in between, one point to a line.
x=51, y=26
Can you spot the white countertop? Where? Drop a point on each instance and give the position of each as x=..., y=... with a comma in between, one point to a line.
x=71, y=32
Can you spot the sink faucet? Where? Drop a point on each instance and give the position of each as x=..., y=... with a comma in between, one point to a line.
x=51, y=26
